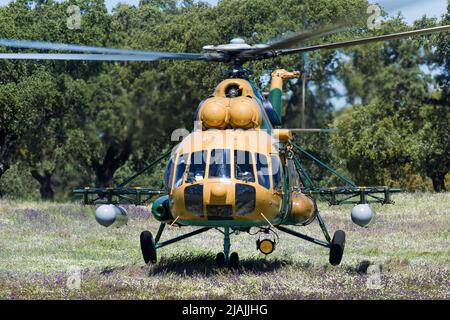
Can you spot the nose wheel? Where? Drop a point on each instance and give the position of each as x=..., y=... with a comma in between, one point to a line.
x=224, y=258
x=232, y=263
x=220, y=260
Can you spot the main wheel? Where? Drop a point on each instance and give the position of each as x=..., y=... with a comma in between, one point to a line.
x=234, y=261
x=148, y=247
x=337, y=247
x=220, y=260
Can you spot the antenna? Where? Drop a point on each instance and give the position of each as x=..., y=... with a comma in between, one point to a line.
x=304, y=73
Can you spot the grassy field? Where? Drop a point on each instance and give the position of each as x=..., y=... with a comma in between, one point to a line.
x=46, y=247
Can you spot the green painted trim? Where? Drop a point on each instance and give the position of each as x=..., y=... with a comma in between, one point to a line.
x=226, y=244
x=161, y=203
x=324, y=165
x=286, y=196
x=227, y=223
x=275, y=98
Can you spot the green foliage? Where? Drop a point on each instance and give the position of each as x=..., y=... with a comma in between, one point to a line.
x=17, y=183
x=399, y=133
x=93, y=123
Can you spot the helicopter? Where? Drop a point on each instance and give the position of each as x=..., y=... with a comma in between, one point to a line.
x=239, y=169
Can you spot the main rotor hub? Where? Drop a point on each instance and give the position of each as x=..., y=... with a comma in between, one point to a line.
x=235, y=45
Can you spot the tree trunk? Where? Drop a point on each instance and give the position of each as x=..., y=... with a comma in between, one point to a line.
x=438, y=179
x=4, y=165
x=45, y=182
x=7, y=150
x=112, y=161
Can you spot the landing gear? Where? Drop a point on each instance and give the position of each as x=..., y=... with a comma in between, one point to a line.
x=220, y=260
x=337, y=247
x=234, y=261
x=148, y=247
x=224, y=259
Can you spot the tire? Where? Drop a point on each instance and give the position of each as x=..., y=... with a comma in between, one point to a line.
x=234, y=261
x=220, y=260
x=337, y=248
x=148, y=247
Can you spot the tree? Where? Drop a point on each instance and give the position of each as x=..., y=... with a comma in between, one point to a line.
x=26, y=106
x=402, y=124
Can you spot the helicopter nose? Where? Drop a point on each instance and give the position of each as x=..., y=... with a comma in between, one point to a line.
x=218, y=193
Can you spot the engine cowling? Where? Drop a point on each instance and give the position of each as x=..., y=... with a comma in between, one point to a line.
x=244, y=113
x=214, y=113
x=237, y=113
x=302, y=209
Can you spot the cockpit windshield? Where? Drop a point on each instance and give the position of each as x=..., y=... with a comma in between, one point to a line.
x=243, y=164
x=247, y=167
x=219, y=165
x=197, y=167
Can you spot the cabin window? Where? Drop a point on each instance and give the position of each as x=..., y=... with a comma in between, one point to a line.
x=193, y=199
x=197, y=167
x=181, y=168
x=262, y=170
x=245, y=199
x=243, y=166
x=168, y=175
x=277, y=171
x=219, y=164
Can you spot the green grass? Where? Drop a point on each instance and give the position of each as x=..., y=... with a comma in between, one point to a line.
x=41, y=242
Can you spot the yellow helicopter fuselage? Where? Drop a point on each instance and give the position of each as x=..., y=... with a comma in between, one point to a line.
x=230, y=177
x=229, y=171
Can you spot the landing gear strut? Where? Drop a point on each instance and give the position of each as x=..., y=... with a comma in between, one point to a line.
x=224, y=258
x=149, y=245
x=335, y=245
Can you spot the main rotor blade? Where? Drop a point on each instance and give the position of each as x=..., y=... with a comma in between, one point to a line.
x=350, y=43
x=299, y=37
x=313, y=130
x=42, y=45
x=91, y=57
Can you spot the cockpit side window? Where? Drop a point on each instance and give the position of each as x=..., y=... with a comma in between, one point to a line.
x=243, y=166
x=219, y=164
x=181, y=168
x=277, y=171
x=262, y=170
x=197, y=167
x=169, y=174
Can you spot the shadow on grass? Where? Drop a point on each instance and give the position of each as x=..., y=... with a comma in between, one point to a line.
x=205, y=265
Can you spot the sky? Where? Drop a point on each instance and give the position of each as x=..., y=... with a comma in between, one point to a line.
x=411, y=9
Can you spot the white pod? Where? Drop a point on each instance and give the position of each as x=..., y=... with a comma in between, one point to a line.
x=109, y=214
x=363, y=215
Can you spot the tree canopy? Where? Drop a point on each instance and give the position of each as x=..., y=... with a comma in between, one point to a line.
x=67, y=124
